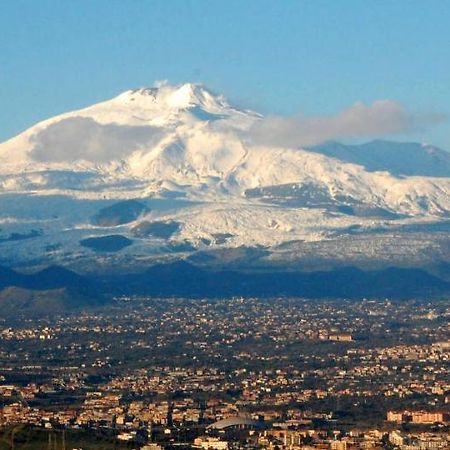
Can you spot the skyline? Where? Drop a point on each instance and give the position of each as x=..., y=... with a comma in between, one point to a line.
x=315, y=59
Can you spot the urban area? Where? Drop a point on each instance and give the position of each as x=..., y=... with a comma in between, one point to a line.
x=280, y=374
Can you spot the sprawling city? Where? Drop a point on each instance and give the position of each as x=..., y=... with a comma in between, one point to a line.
x=231, y=373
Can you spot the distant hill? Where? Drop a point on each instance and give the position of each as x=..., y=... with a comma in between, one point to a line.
x=52, y=277
x=49, y=291
x=187, y=280
x=16, y=302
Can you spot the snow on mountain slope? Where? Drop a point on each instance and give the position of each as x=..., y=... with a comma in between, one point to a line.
x=184, y=144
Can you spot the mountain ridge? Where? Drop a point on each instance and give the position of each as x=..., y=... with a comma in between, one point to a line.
x=399, y=158
x=182, y=278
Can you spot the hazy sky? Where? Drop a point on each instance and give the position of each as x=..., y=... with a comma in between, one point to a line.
x=313, y=58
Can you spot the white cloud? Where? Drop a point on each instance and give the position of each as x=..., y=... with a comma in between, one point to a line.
x=383, y=117
x=82, y=138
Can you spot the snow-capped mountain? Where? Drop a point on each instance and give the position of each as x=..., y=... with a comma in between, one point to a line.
x=194, y=179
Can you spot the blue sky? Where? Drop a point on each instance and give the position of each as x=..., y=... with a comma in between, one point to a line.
x=279, y=57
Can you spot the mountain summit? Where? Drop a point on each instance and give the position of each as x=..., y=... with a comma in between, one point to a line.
x=175, y=97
